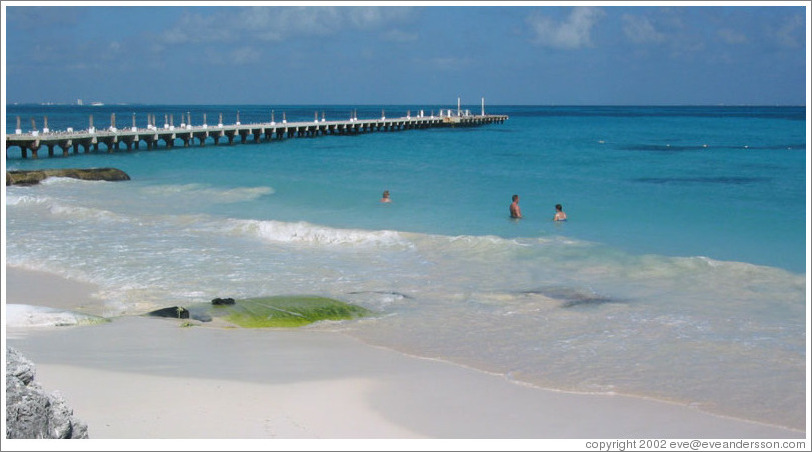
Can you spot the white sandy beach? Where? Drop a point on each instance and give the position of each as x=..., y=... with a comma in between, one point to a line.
x=149, y=378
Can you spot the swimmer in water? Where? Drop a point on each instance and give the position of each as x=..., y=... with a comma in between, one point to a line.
x=559, y=213
x=515, y=211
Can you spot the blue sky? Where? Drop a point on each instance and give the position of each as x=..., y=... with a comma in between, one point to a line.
x=410, y=53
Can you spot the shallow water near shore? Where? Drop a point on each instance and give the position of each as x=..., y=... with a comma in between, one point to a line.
x=668, y=281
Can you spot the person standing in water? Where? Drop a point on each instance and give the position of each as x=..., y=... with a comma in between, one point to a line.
x=559, y=213
x=515, y=211
x=385, y=197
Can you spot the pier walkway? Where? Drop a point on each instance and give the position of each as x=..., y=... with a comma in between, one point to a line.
x=131, y=138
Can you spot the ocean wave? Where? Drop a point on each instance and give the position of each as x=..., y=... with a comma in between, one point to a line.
x=307, y=233
x=216, y=195
x=83, y=212
x=58, y=207
x=58, y=180
x=13, y=199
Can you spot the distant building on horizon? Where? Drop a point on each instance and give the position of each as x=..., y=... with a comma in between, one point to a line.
x=79, y=102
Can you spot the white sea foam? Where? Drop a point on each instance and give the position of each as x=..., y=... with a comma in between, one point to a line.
x=14, y=199
x=58, y=207
x=83, y=212
x=307, y=233
x=69, y=181
x=27, y=316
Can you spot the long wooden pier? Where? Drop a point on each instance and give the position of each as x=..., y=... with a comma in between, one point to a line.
x=113, y=139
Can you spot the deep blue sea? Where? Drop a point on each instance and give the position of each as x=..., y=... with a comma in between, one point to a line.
x=680, y=274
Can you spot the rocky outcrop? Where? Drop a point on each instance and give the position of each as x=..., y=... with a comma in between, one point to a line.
x=31, y=413
x=223, y=301
x=34, y=177
x=177, y=312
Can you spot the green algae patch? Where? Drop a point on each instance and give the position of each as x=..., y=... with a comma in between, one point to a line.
x=287, y=311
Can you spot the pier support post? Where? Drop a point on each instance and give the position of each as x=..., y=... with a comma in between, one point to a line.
x=201, y=136
x=66, y=145
x=34, y=148
x=18, y=130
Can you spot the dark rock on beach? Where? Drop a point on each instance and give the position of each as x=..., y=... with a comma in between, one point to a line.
x=223, y=301
x=34, y=177
x=175, y=312
x=178, y=312
x=31, y=413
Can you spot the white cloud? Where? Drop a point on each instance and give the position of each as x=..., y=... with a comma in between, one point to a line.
x=244, y=55
x=640, y=30
x=396, y=35
x=731, y=36
x=275, y=24
x=195, y=28
x=791, y=32
x=572, y=33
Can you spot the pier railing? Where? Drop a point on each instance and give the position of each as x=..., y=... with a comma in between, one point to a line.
x=169, y=135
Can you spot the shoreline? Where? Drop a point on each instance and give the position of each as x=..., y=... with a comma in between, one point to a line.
x=135, y=377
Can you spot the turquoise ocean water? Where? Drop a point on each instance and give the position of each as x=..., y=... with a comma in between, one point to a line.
x=680, y=275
